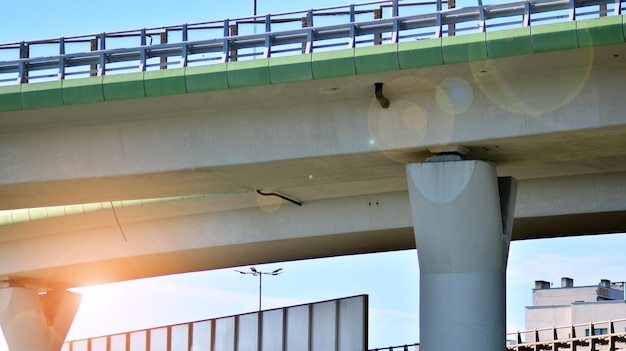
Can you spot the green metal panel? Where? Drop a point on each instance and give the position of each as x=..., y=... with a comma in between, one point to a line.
x=165, y=82
x=332, y=64
x=600, y=31
x=464, y=48
x=378, y=58
x=290, y=68
x=206, y=78
x=248, y=73
x=82, y=91
x=40, y=95
x=123, y=86
x=510, y=42
x=10, y=98
x=420, y=53
x=554, y=37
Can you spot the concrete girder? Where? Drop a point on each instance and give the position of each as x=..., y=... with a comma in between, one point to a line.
x=89, y=248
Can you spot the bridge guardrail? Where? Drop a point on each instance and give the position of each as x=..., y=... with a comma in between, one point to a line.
x=308, y=37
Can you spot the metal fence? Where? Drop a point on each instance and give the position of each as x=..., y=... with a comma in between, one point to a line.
x=290, y=33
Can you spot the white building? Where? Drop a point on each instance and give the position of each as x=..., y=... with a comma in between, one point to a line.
x=569, y=305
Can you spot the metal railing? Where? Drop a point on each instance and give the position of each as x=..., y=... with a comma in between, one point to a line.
x=290, y=33
x=585, y=336
x=411, y=347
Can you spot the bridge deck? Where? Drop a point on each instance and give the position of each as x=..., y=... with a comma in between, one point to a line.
x=414, y=41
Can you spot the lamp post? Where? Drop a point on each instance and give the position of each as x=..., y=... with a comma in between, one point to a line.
x=255, y=272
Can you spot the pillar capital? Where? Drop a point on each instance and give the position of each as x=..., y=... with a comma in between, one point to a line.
x=32, y=321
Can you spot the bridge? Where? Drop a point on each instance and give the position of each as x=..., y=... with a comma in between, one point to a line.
x=311, y=142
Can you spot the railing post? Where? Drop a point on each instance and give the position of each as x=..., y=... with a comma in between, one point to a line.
x=142, y=59
x=451, y=26
x=526, y=19
x=163, y=61
x=93, y=69
x=185, y=31
x=234, y=31
x=536, y=335
x=378, y=37
x=395, y=11
x=618, y=8
x=482, y=24
x=352, y=39
x=61, y=74
x=309, y=16
x=572, y=10
x=268, y=46
x=395, y=34
x=309, y=41
x=353, y=16
x=24, y=54
x=102, y=68
x=268, y=23
x=143, y=37
x=185, y=49
x=305, y=46
x=438, y=25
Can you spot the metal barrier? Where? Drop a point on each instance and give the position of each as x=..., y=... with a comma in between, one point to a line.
x=334, y=325
x=291, y=33
x=586, y=336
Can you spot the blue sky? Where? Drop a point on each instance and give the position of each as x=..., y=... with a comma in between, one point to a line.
x=391, y=279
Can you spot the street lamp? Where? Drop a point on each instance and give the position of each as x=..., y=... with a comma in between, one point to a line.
x=255, y=273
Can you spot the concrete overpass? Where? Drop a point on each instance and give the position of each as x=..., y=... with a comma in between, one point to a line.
x=543, y=104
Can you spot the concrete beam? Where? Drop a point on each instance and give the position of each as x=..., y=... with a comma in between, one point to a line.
x=159, y=239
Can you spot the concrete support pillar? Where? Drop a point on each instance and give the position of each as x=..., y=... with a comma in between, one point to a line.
x=33, y=322
x=462, y=233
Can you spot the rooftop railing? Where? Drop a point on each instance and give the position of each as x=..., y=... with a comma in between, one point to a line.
x=588, y=336
x=289, y=33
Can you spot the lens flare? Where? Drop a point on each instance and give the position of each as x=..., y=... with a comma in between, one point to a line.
x=519, y=88
x=419, y=114
x=268, y=204
x=455, y=95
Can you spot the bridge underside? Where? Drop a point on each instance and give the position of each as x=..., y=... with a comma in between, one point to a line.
x=554, y=121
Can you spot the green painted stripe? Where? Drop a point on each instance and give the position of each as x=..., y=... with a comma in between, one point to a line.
x=554, y=37
x=206, y=78
x=464, y=48
x=378, y=58
x=290, y=69
x=420, y=53
x=165, y=82
x=248, y=73
x=333, y=64
x=510, y=42
x=41, y=95
x=10, y=98
x=600, y=31
x=123, y=86
x=82, y=91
